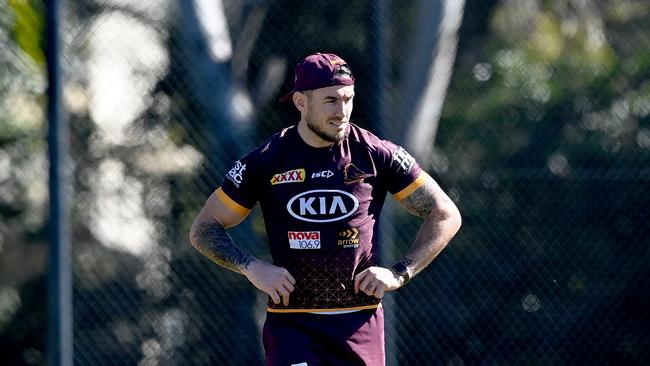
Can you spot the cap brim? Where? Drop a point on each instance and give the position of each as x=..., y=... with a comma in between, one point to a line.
x=287, y=97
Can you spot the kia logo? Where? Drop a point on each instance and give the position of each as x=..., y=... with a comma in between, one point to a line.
x=323, y=205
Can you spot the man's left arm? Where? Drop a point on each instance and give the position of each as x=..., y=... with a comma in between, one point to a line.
x=441, y=222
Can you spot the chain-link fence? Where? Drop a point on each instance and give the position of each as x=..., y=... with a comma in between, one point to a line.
x=543, y=142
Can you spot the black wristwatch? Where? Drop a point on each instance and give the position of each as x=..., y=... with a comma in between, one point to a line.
x=400, y=269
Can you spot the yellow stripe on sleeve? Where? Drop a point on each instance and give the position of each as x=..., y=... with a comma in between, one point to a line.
x=223, y=197
x=412, y=187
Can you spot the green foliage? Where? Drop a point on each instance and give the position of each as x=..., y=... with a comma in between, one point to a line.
x=28, y=27
x=23, y=183
x=553, y=73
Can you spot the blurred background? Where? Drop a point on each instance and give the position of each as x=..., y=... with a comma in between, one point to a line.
x=534, y=115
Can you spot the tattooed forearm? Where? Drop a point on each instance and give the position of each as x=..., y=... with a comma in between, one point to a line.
x=441, y=222
x=420, y=202
x=212, y=240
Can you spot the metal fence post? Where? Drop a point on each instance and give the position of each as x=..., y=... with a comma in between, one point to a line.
x=379, y=29
x=59, y=342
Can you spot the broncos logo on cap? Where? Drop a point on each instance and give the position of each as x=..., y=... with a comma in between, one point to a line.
x=343, y=72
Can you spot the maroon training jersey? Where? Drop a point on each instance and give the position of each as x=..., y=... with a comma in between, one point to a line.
x=321, y=209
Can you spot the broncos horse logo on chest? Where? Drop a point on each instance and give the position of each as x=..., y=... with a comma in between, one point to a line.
x=352, y=174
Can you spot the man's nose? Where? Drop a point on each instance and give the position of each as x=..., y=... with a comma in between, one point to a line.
x=340, y=110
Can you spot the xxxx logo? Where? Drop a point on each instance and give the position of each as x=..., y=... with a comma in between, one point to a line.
x=291, y=176
x=349, y=238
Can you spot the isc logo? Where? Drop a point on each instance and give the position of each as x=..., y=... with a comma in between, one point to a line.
x=304, y=239
x=323, y=174
x=322, y=205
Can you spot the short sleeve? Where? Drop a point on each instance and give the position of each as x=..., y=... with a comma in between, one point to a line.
x=239, y=189
x=402, y=174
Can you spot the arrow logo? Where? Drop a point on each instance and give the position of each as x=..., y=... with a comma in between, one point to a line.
x=350, y=233
x=349, y=238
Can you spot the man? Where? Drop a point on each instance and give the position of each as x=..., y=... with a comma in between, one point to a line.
x=321, y=185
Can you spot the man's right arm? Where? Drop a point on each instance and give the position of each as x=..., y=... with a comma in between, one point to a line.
x=208, y=235
x=212, y=240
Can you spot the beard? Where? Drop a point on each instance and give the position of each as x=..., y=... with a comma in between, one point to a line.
x=329, y=137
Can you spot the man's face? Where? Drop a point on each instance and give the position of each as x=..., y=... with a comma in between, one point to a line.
x=328, y=112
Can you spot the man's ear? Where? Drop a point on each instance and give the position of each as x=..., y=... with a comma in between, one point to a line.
x=300, y=101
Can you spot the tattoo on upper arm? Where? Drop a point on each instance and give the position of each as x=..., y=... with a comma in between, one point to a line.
x=422, y=201
x=213, y=241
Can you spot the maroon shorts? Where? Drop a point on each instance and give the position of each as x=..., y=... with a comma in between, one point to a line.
x=315, y=339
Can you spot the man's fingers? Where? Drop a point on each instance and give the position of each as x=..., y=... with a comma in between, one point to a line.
x=357, y=280
x=274, y=296
x=285, y=296
x=366, y=282
x=370, y=290
x=362, y=280
x=290, y=278
x=285, y=299
x=288, y=286
x=365, y=285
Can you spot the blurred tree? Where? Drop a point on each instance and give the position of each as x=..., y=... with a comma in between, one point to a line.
x=545, y=133
x=23, y=185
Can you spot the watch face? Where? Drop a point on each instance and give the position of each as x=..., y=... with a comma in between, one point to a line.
x=399, y=268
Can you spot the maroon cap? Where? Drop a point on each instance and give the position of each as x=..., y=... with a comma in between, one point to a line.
x=320, y=70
